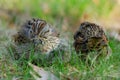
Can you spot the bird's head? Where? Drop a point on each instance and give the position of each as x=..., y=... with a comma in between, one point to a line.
x=33, y=28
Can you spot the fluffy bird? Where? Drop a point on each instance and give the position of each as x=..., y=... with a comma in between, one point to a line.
x=40, y=34
x=91, y=37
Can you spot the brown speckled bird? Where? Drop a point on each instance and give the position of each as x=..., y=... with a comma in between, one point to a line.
x=41, y=34
x=91, y=37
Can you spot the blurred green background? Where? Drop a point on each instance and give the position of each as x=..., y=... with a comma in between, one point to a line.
x=64, y=14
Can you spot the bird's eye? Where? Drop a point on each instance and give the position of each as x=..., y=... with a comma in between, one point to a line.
x=31, y=31
x=30, y=22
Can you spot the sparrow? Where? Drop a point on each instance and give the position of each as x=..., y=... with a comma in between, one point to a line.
x=41, y=35
x=91, y=37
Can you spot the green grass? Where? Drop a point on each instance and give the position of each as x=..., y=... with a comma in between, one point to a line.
x=56, y=12
x=105, y=70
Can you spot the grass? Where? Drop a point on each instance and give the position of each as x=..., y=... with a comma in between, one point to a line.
x=58, y=12
x=75, y=68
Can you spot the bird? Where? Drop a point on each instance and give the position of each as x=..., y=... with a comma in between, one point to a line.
x=90, y=37
x=45, y=37
x=41, y=35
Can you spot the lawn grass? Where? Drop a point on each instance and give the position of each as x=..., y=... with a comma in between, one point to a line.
x=75, y=68
x=56, y=12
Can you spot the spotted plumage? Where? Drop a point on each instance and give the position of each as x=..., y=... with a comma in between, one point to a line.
x=41, y=34
x=90, y=37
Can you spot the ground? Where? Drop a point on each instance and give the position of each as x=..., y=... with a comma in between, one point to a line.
x=65, y=18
